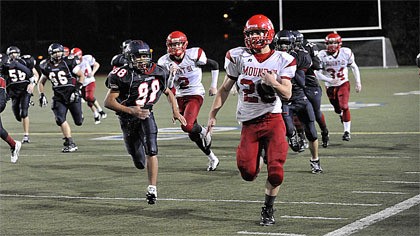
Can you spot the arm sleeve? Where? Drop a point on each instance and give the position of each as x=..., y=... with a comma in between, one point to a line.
x=356, y=72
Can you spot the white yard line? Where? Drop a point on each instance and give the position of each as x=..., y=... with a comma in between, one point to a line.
x=370, y=220
x=400, y=182
x=373, y=192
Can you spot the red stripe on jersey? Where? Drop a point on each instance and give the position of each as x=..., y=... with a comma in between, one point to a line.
x=2, y=83
x=285, y=77
x=293, y=63
x=229, y=57
x=200, y=51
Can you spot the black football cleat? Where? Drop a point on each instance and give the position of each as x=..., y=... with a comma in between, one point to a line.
x=267, y=216
x=346, y=136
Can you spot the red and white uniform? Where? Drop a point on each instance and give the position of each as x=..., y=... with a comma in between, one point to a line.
x=187, y=80
x=86, y=65
x=240, y=63
x=336, y=66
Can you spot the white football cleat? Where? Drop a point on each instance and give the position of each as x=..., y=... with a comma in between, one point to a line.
x=15, y=152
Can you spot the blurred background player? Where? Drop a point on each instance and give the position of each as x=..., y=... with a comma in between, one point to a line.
x=257, y=110
x=14, y=145
x=185, y=66
x=299, y=104
x=66, y=51
x=133, y=89
x=59, y=70
x=119, y=59
x=89, y=67
x=313, y=90
x=21, y=78
x=334, y=61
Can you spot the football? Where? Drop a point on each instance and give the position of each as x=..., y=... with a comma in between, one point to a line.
x=267, y=89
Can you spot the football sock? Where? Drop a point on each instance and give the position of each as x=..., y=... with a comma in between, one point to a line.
x=269, y=201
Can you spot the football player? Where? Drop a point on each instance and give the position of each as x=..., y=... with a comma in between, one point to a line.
x=335, y=60
x=185, y=65
x=89, y=67
x=119, y=59
x=313, y=90
x=14, y=145
x=260, y=114
x=299, y=104
x=21, y=77
x=60, y=70
x=133, y=89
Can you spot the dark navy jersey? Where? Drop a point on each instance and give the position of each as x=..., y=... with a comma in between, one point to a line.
x=17, y=75
x=3, y=95
x=30, y=61
x=136, y=88
x=61, y=76
x=303, y=62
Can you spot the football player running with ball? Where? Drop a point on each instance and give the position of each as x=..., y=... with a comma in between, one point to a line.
x=259, y=112
x=133, y=89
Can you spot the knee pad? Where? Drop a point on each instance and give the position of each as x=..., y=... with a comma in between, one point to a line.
x=275, y=179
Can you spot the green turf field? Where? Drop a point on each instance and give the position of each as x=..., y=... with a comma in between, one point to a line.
x=370, y=185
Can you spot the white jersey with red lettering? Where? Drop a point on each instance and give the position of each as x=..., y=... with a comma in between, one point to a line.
x=241, y=64
x=86, y=65
x=187, y=80
x=336, y=66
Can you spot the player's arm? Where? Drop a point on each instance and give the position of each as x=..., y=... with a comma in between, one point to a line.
x=111, y=102
x=356, y=74
x=95, y=68
x=220, y=98
x=281, y=85
x=42, y=98
x=214, y=68
x=175, y=111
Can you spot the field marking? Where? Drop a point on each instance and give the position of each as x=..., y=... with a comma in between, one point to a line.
x=373, y=192
x=313, y=217
x=263, y=233
x=412, y=172
x=179, y=200
x=379, y=216
x=400, y=182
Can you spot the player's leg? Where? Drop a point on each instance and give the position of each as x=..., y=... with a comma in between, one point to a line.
x=150, y=131
x=88, y=96
x=24, y=114
x=343, y=100
x=291, y=133
x=14, y=145
x=60, y=112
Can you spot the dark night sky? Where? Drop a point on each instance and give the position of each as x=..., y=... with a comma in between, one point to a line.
x=99, y=27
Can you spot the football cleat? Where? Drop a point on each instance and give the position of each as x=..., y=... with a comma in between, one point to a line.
x=267, y=216
x=206, y=139
x=316, y=167
x=151, y=194
x=325, y=138
x=213, y=164
x=15, y=152
x=346, y=136
x=70, y=148
x=97, y=120
x=26, y=139
x=103, y=114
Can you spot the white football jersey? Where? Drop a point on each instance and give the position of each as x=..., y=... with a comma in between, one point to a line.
x=336, y=66
x=187, y=80
x=241, y=64
x=86, y=66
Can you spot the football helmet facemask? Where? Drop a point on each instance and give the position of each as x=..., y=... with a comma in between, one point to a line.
x=258, y=32
x=284, y=41
x=56, y=52
x=176, y=43
x=139, y=55
x=13, y=52
x=333, y=42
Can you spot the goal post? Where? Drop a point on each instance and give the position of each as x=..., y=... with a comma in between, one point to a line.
x=368, y=51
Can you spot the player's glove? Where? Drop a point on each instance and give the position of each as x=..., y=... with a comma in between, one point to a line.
x=42, y=100
x=75, y=96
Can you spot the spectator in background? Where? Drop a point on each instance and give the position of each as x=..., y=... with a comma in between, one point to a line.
x=60, y=70
x=334, y=61
x=14, y=145
x=186, y=76
x=133, y=89
x=89, y=67
x=261, y=75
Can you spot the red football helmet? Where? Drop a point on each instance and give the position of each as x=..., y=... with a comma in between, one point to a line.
x=176, y=43
x=258, y=32
x=333, y=42
x=66, y=51
x=77, y=52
